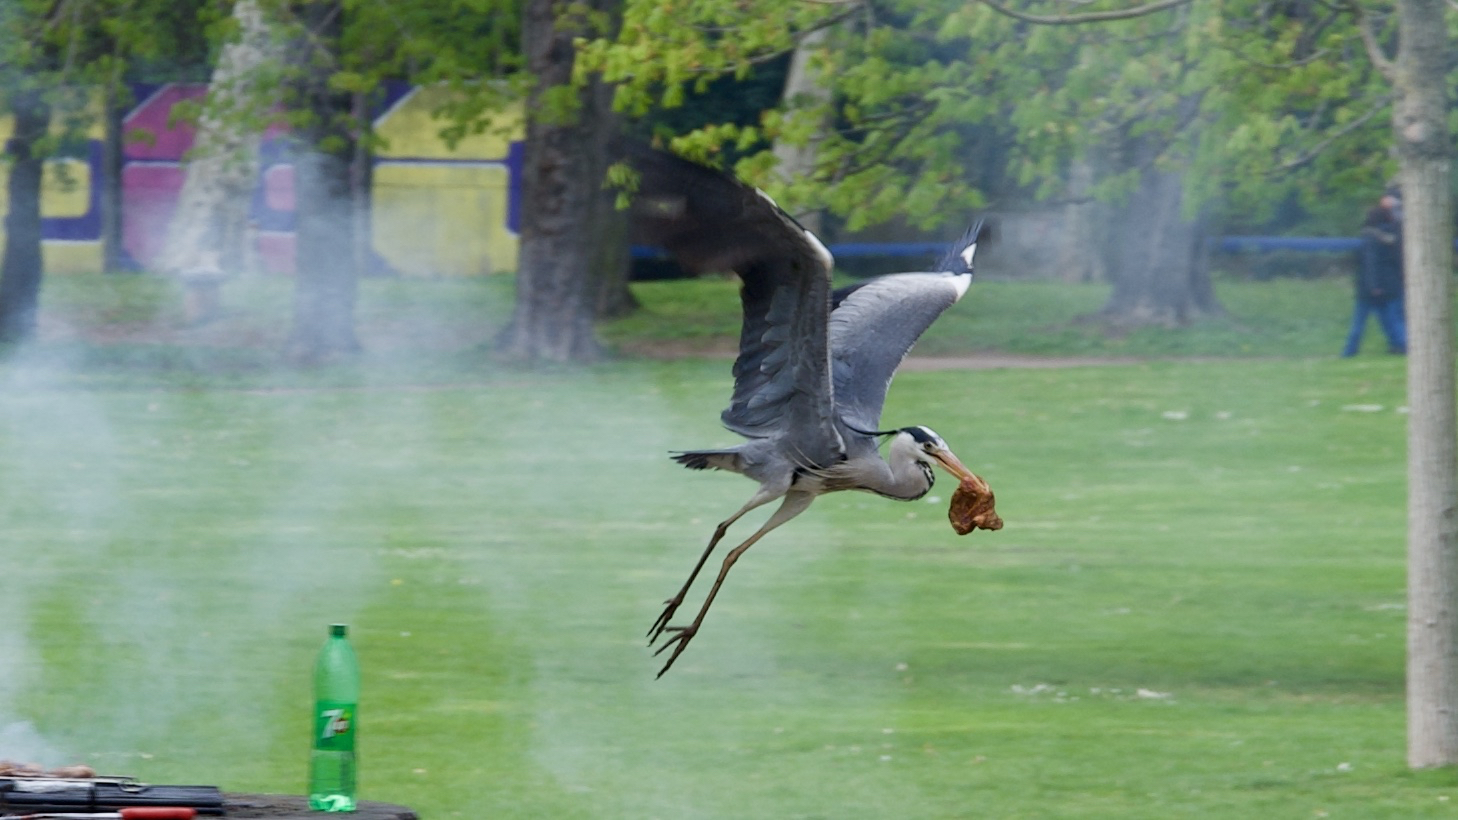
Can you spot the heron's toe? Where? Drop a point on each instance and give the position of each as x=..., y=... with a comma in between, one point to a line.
x=678, y=641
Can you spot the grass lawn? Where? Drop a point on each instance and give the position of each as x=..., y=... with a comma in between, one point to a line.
x=135, y=323
x=1282, y=317
x=1195, y=609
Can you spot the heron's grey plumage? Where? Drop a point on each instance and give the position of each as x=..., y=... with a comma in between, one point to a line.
x=872, y=329
x=813, y=367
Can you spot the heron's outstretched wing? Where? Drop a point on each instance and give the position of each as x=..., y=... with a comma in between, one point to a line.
x=875, y=323
x=710, y=221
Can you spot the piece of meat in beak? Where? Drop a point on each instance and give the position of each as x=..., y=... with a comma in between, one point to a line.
x=973, y=503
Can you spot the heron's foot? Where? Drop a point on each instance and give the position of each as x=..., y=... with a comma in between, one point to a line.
x=669, y=607
x=679, y=640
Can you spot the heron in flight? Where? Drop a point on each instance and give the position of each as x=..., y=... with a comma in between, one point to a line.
x=814, y=364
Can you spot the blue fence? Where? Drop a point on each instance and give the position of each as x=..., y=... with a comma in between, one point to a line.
x=842, y=250
x=1224, y=244
x=1317, y=244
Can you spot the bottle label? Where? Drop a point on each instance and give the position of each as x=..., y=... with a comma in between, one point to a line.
x=334, y=726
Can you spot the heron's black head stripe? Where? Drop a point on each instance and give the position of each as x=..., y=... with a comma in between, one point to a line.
x=919, y=434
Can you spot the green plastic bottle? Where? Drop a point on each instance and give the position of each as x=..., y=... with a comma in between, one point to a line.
x=336, y=724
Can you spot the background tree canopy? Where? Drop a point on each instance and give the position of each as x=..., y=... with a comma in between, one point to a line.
x=1272, y=111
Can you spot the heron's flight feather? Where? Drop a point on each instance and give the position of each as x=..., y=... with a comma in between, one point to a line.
x=958, y=258
x=782, y=383
x=873, y=329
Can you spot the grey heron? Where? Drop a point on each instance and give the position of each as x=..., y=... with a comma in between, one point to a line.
x=814, y=364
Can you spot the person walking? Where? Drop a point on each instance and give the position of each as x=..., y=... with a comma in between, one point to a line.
x=1379, y=276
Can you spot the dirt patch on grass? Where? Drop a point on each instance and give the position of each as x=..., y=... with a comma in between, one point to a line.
x=997, y=361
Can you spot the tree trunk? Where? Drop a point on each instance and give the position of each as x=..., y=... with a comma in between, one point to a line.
x=1420, y=130
x=1159, y=260
x=209, y=230
x=612, y=258
x=361, y=175
x=1080, y=255
x=610, y=247
x=21, y=264
x=326, y=282
x=559, y=278
x=803, y=88
x=113, y=255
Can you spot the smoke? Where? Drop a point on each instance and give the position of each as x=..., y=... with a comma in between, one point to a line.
x=548, y=528
x=48, y=515
x=137, y=596
x=21, y=743
x=150, y=571
x=183, y=549
x=151, y=558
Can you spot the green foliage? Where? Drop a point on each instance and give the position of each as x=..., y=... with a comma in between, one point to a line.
x=1310, y=115
x=67, y=51
x=469, y=46
x=1265, y=106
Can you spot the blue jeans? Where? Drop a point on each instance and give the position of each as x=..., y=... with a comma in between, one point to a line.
x=1389, y=315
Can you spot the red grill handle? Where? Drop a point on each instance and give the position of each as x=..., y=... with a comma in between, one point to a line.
x=157, y=813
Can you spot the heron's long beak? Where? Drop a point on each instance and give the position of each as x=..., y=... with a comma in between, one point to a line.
x=954, y=465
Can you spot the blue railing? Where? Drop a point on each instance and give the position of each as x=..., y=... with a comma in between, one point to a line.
x=841, y=250
x=1224, y=244
x=1325, y=244
x=1227, y=244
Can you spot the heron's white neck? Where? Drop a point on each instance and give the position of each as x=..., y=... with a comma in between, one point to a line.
x=902, y=475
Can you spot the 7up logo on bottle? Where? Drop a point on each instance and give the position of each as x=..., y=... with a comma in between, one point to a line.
x=334, y=726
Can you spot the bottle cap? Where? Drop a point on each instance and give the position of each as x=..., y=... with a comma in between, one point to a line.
x=337, y=630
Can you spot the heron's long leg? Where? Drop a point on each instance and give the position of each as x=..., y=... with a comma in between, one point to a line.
x=671, y=605
x=794, y=504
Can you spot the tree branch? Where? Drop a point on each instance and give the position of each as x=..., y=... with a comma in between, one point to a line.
x=852, y=6
x=1314, y=151
x=1379, y=58
x=1315, y=56
x=1086, y=17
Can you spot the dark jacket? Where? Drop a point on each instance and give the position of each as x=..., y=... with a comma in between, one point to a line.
x=1379, y=268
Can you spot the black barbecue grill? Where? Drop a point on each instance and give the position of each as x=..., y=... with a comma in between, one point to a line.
x=35, y=795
